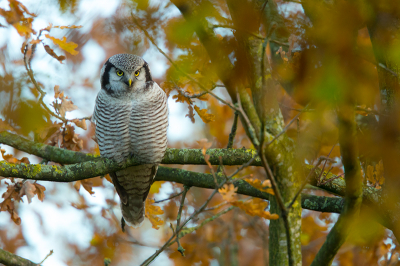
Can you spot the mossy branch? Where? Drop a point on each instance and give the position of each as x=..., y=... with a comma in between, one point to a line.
x=10, y=259
x=172, y=156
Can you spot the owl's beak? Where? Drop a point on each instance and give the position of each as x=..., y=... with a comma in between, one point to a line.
x=130, y=82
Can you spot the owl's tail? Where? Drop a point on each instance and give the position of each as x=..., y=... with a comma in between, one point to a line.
x=133, y=185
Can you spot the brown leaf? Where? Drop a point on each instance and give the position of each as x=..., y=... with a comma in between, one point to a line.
x=5, y=126
x=29, y=190
x=80, y=123
x=190, y=114
x=66, y=106
x=53, y=54
x=40, y=191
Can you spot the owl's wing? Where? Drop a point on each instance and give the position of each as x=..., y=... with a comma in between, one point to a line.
x=123, y=195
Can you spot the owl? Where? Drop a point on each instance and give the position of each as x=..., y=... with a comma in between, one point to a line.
x=131, y=118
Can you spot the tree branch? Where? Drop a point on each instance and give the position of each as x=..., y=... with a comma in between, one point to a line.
x=10, y=259
x=172, y=156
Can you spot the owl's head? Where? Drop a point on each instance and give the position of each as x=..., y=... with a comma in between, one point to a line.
x=125, y=73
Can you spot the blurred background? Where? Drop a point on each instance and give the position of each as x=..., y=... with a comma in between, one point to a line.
x=80, y=221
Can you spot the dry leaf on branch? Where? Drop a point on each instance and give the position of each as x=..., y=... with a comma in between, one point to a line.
x=80, y=123
x=228, y=192
x=204, y=115
x=151, y=212
x=66, y=106
x=264, y=186
x=256, y=207
x=51, y=52
x=63, y=44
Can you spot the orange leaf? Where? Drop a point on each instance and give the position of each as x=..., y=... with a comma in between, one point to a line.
x=203, y=115
x=180, y=98
x=228, y=192
x=151, y=213
x=255, y=207
x=63, y=44
x=68, y=27
x=262, y=186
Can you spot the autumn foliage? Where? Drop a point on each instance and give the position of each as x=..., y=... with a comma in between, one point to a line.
x=311, y=85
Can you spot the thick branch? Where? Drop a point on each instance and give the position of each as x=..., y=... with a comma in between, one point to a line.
x=10, y=259
x=172, y=156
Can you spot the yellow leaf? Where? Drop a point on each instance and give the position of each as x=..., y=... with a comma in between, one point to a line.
x=264, y=186
x=203, y=115
x=256, y=207
x=63, y=44
x=228, y=192
x=68, y=27
x=151, y=213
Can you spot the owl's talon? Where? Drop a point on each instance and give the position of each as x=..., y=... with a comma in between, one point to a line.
x=123, y=224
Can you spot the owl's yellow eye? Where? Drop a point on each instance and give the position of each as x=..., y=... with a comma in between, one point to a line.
x=137, y=72
x=120, y=73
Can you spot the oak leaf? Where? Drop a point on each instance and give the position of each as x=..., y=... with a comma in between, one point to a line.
x=204, y=115
x=256, y=207
x=190, y=114
x=66, y=106
x=53, y=54
x=68, y=27
x=29, y=190
x=39, y=191
x=228, y=192
x=80, y=123
x=63, y=44
x=151, y=212
x=264, y=186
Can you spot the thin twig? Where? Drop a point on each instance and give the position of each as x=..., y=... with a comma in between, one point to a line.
x=178, y=219
x=48, y=255
x=32, y=77
x=233, y=131
x=173, y=196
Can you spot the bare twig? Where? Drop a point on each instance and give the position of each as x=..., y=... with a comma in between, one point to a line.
x=196, y=95
x=178, y=219
x=48, y=255
x=173, y=196
x=37, y=86
x=233, y=131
